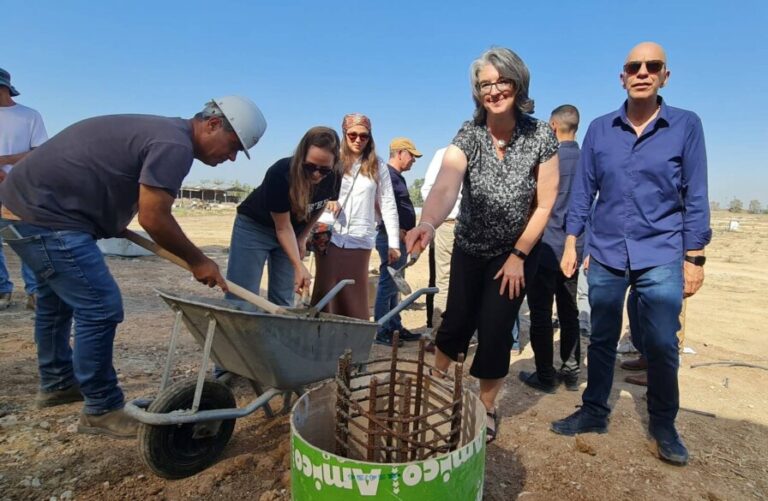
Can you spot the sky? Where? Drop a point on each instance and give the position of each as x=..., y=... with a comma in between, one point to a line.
x=405, y=64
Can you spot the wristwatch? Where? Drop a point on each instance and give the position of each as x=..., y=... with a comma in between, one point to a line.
x=517, y=252
x=697, y=260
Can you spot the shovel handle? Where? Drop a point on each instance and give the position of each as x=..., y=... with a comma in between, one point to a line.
x=235, y=289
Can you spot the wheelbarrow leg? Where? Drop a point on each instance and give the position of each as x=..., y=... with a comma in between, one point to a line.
x=259, y=391
x=204, y=365
x=171, y=350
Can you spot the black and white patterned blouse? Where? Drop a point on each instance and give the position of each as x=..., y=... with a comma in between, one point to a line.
x=497, y=195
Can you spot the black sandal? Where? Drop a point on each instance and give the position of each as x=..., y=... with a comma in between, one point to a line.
x=490, y=433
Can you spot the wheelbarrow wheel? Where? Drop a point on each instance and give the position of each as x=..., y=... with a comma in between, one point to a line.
x=178, y=451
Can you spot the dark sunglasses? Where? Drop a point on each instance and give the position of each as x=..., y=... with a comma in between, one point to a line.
x=362, y=135
x=309, y=168
x=653, y=67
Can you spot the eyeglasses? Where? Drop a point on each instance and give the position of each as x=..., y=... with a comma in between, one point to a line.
x=310, y=168
x=501, y=86
x=364, y=136
x=653, y=67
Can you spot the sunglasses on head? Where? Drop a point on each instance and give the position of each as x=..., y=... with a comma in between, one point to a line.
x=653, y=67
x=309, y=168
x=364, y=136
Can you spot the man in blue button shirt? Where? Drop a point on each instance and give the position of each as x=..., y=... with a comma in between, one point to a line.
x=648, y=231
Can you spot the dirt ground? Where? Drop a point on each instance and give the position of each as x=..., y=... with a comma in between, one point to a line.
x=42, y=456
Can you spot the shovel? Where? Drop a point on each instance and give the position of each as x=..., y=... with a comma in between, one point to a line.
x=235, y=289
x=398, y=275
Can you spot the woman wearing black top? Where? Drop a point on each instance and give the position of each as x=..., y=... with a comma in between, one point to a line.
x=273, y=223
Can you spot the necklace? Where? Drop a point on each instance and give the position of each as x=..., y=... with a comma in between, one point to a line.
x=500, y=143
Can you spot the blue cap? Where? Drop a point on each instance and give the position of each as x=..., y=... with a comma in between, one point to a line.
x=5, y=79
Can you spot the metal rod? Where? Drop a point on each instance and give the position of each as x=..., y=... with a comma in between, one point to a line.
x=204, y=365
x=342, y=407
x=457, y=406
x=371, y=449
x=391, y=400
x=171, y=349
x=405, y=424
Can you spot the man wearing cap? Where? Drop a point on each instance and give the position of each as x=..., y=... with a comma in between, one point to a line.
x=90, y=180
x=402, y=155
x=21, y=131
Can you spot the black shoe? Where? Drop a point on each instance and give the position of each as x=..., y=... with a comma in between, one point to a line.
x=386, y=339
x=570, y=380
x=579, y=422
x=406, y=335
x=671, y=448
x=532, y=380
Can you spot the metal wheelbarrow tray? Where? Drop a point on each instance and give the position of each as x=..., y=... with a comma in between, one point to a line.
x=187, y=426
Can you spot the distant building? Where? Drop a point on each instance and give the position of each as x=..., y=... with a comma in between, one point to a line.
x=210, y=192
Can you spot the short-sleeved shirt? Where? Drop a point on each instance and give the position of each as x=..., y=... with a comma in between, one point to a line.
x=21, y=129
x=86, y=178
x=497, y=195
x=273, y=196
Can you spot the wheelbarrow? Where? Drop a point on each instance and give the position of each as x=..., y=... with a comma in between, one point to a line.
x=187, y=426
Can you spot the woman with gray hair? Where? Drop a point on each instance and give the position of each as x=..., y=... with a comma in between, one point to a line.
x=507, y=162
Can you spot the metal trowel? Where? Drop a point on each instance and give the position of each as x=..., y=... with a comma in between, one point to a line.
x=398, y=275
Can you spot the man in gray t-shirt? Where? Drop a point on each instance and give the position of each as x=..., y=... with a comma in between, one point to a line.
x=88, y=182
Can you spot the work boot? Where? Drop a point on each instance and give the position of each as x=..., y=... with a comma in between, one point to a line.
x=580, y=422
x=640, y=364
x=670, y=447
x=570, y=379
x=532, y=379
x=5, y=300
x=406, y=335
x=115, y=424
x=638, y=379
x=386, y=338
x=31, y=301
x=58, y=397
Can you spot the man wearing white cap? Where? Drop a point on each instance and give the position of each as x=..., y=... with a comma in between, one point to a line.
x=90, y=180
x=21, y=130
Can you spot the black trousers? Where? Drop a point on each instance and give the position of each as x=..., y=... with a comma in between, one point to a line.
x=474, y=303
x=549, y=284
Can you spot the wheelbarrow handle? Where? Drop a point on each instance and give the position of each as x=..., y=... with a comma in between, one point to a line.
x=407, y=302
x=235, y=289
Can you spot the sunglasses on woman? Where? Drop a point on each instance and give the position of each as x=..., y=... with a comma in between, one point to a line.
x=653, y=67
x=364, y=136
x=310, y=168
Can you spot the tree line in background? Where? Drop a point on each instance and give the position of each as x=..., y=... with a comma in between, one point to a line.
x=736, y=205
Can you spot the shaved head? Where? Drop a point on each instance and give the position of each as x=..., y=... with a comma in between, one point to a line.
x=647, y=51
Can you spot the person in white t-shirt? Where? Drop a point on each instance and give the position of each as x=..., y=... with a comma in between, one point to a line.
x=365, y=187
x=21, y=131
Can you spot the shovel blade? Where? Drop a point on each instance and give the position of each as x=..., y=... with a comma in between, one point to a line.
x=399, y=280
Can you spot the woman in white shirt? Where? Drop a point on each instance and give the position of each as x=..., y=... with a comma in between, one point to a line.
x=365, y=185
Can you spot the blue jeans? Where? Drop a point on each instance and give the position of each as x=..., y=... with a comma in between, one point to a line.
x=386, y=293
x=251, y=247
x=657, y=302
x=30, y=284
x=73, y=283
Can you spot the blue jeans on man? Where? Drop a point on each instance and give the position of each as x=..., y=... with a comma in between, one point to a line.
x=659, y=297
x=74, y=282
x=30, y=284
x=386, y=292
